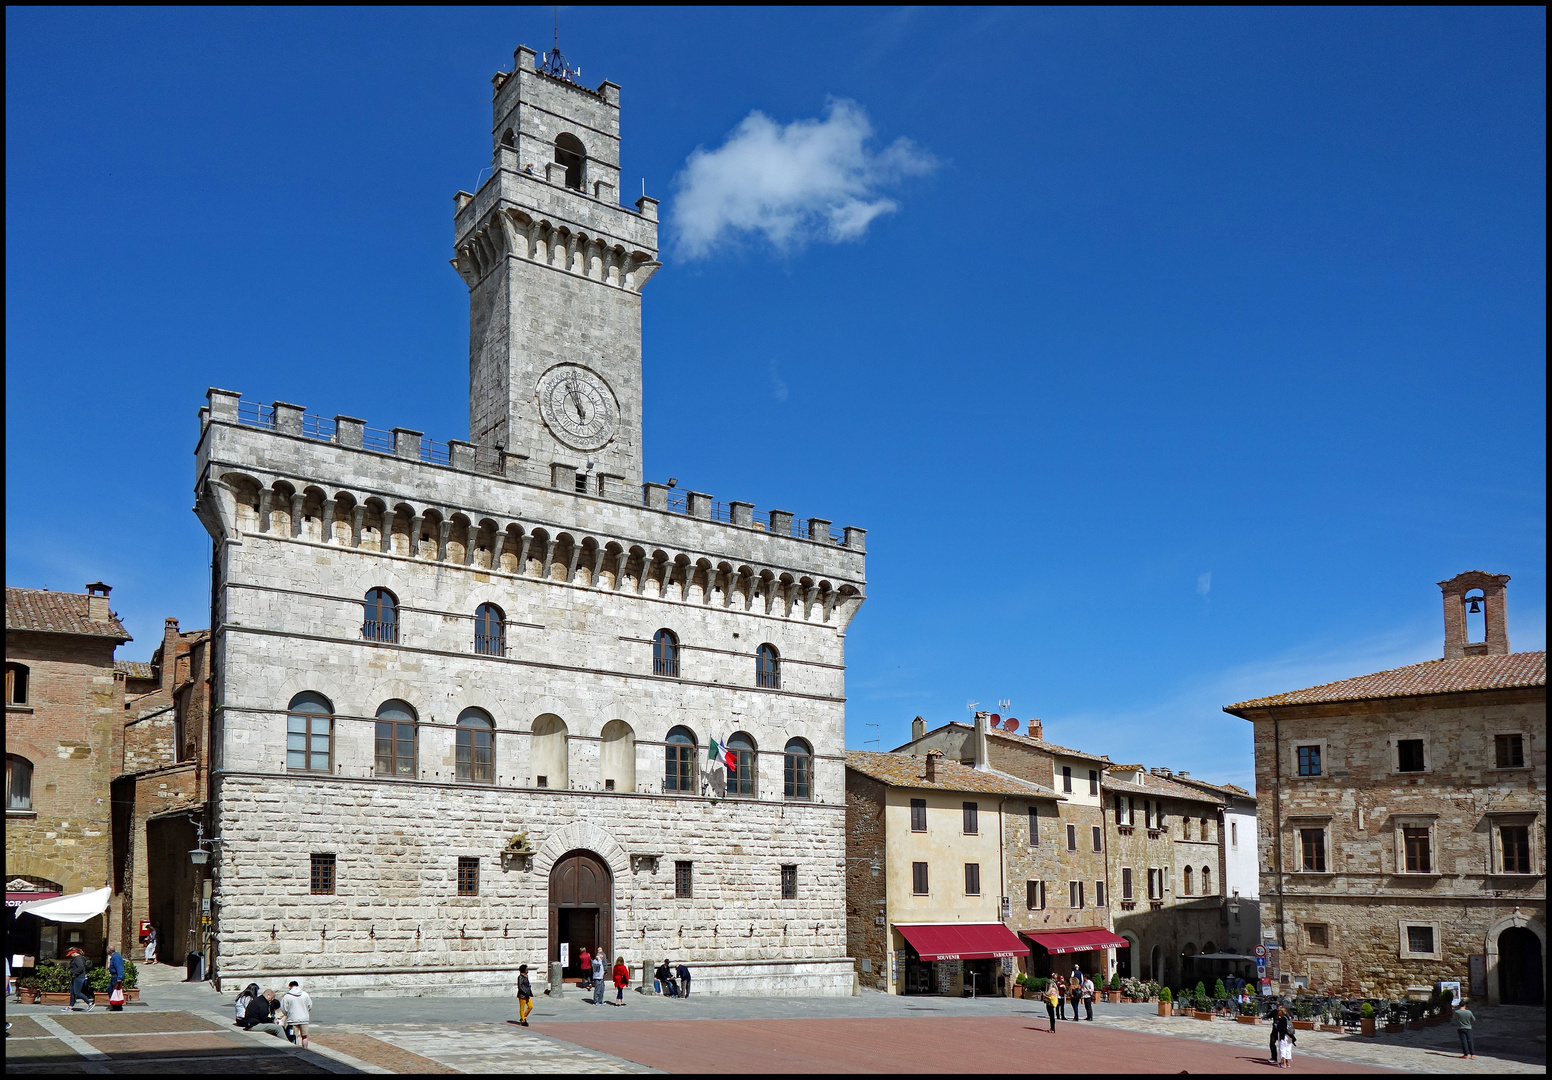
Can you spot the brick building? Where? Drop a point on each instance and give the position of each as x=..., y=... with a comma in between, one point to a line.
x=64, y=702
x=925, y=877
x=1405, y=842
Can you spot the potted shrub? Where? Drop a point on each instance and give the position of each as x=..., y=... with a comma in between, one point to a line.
x=1415, y=1013
x=1247, y=1013
x=53, y=984
x=1366, y=1018
x=131, y=981
x=1303, y=1015
x=1331, y=1019
x=1020, y=981
x=1113, y=991
x=1395, y=1019
x=1165, y=998
x=1201, y=1004
x=27, y=990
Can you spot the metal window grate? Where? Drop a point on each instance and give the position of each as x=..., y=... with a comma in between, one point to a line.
x=789, y=882
x=323, y=875
x=468, y=876
x=684, y=883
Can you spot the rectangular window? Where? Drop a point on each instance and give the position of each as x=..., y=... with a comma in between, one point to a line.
x=1309, y=761
x=1313, y=844
x=1075, y=894
x=1147, y=812
x=1099, y=839
x=1158, y=816
x=1067, y=778
x=308, y=742
x=1072, y=838
x=1120, y=810
x=684, y=882
x=789, y=882
x=1510, y=751
x=1233, y=834
x=679, y=761
x=15, y=684
x=541, y=781
x=1155, y=884
x=1419, y=939
x=1034, y=826
x=1034, y=895
x=581, y=483
x=1093, y=781
x=798, y=772
x=18, y=784
x=609, y=784
x=1409, y=756
x=323, y=875
x=972, y=879
x=1099, y=894
x=395, y=749
x=1317, y=935
x=1126, y=883
x=972, y=819
x=919, y=878
x=468, y=877
x=1415, y=841
x=1516, y=848
x=1206, y=830
x=918, y=815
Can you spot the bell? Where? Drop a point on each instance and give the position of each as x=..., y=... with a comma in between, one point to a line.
x=1475, y=608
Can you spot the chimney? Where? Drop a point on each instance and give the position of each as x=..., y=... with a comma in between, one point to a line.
x=1474, y=592
x=979, y=741
x=932, y=765
x=1183, y=775
x=169, y=654
x=97, y=601
x=918, y=729
x=1036, y=730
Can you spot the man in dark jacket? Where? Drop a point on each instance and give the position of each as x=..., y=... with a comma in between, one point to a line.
x=261, y=1014
x=684, y=979
x=79, y=966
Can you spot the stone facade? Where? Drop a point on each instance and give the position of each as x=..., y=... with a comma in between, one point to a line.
x=1406, y=842
x=62, y=744
x=582, y=569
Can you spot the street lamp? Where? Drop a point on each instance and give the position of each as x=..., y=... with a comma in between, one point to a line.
x=199, y=857
x=1234, y=904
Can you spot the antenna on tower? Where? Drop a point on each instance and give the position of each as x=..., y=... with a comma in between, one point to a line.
x=875, y=739
x=553, y=63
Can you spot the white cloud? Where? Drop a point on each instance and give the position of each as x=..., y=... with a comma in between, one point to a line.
x=1204, y=583
x=810, y=180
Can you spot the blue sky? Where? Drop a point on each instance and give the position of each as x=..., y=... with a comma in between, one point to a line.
x=1169, y=357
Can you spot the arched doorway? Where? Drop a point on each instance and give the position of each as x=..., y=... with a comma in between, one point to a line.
x=1519, y=967
x=581, y=908
x=1155, y=972
x=1123, y=957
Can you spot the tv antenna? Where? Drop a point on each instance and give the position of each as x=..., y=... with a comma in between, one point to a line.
x=971, y=706
x=1004, y=704
x=553, y=63
x=875, y=739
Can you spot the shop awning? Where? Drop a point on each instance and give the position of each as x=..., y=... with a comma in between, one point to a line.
x=1086, y=939
x=961, y=941
x=75, y=908
x=17, y=899
x=1219, y=956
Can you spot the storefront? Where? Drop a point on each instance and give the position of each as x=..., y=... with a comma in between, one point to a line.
x=25, y=934
x=972, y=959
x=1055, y=952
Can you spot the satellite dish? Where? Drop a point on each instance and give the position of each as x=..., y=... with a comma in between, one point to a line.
x=994, y=720
x=1011, y=725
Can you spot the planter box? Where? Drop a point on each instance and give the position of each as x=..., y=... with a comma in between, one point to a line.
x=1414, y=1025
x=1366, y=1025
x=1248, y=1019
x=1165, y=1009
x=1201, y=1014
x=1304, y=1025
x=1434, y=1021
x=1394, y=1029
x=1335, y=1029
x=1113, y=996
x=131, y=993
x=51, y=997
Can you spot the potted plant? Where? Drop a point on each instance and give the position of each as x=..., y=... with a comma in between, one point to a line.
x=1020, y=982
x=1165, y=999
x=1415, y=1013
x=1366, y=1019
x=1113, y=991
x=1201, y=1004
x=1395, y=1019
x=131, y=981
x=1331, y=1019
x=27, y=990
x=1247, y=1013
x=53, y=984
x=1303, y=1015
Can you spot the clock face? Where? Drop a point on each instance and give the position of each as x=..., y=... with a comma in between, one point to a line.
x=577, y=406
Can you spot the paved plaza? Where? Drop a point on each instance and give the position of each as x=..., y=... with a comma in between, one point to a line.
x=187, y=1028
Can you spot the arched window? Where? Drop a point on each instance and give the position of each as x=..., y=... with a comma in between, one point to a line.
x=395, y=739
x=382, y=616
x=507, y=138
x=679, y=760
x=617, y=756
x=1185, y=828
x=310, y=733
x=1207, y=881
x=18, y=783
x=1186, y=887
x=1206, y=830
x=665, y=654
x=476, y=747
x=740, y=781
x=767, y=666
x=549, y=751
x=570, y=152
x=799, y=777
x=490, y=630
x=16, y=684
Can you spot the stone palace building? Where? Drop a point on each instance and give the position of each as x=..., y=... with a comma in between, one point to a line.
x=465, y=693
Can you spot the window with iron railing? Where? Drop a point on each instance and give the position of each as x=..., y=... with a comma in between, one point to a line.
x=767, y=666
x=741, y=778
x=679, y=760
x=381, y=622
x=789, y=882
x=665, y=653
x=490, y=630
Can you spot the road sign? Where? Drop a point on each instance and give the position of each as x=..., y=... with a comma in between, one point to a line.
x=1260, y=950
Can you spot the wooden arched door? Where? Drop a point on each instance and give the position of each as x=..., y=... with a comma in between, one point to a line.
x=581, y=908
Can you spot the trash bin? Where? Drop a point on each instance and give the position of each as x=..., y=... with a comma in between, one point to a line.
x=196, y=967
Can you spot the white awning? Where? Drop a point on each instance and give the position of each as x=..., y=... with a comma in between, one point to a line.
x=75, y=908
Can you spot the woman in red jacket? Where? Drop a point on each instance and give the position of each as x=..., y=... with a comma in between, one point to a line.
x=621, y=978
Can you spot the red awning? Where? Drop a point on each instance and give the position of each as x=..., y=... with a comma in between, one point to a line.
x=16, y=899
x=962, y=941
x=1087, y=939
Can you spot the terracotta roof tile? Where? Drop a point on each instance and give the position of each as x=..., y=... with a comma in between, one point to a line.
x=1162, y=785
x=1433, y=677
x=135, y=669
x=1041, y=744
x=46, y=612
x=908, y=770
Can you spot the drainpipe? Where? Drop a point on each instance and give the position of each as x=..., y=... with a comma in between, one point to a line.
x=1277, y=816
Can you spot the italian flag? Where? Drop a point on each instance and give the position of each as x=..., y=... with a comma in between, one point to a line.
x=716, y=752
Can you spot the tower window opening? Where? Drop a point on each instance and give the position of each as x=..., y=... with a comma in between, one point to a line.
x=570, y=152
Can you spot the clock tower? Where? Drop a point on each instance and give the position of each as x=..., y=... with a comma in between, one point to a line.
x=555, y=267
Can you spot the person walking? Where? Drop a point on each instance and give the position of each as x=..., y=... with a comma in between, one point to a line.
x=599, y=972
x=298, y=1007
x=684, y=979
x=150, y=945
x=1075, y=993
x=1282, y=1028
x=79, y=966
x=524, y=995
x=1088, y=998
x=621, y=980
x=1464, y=1021
x=1052, y=1000
x=115, y=979
x=585, y=962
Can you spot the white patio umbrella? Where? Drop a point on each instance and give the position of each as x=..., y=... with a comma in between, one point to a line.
x=76, y=908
